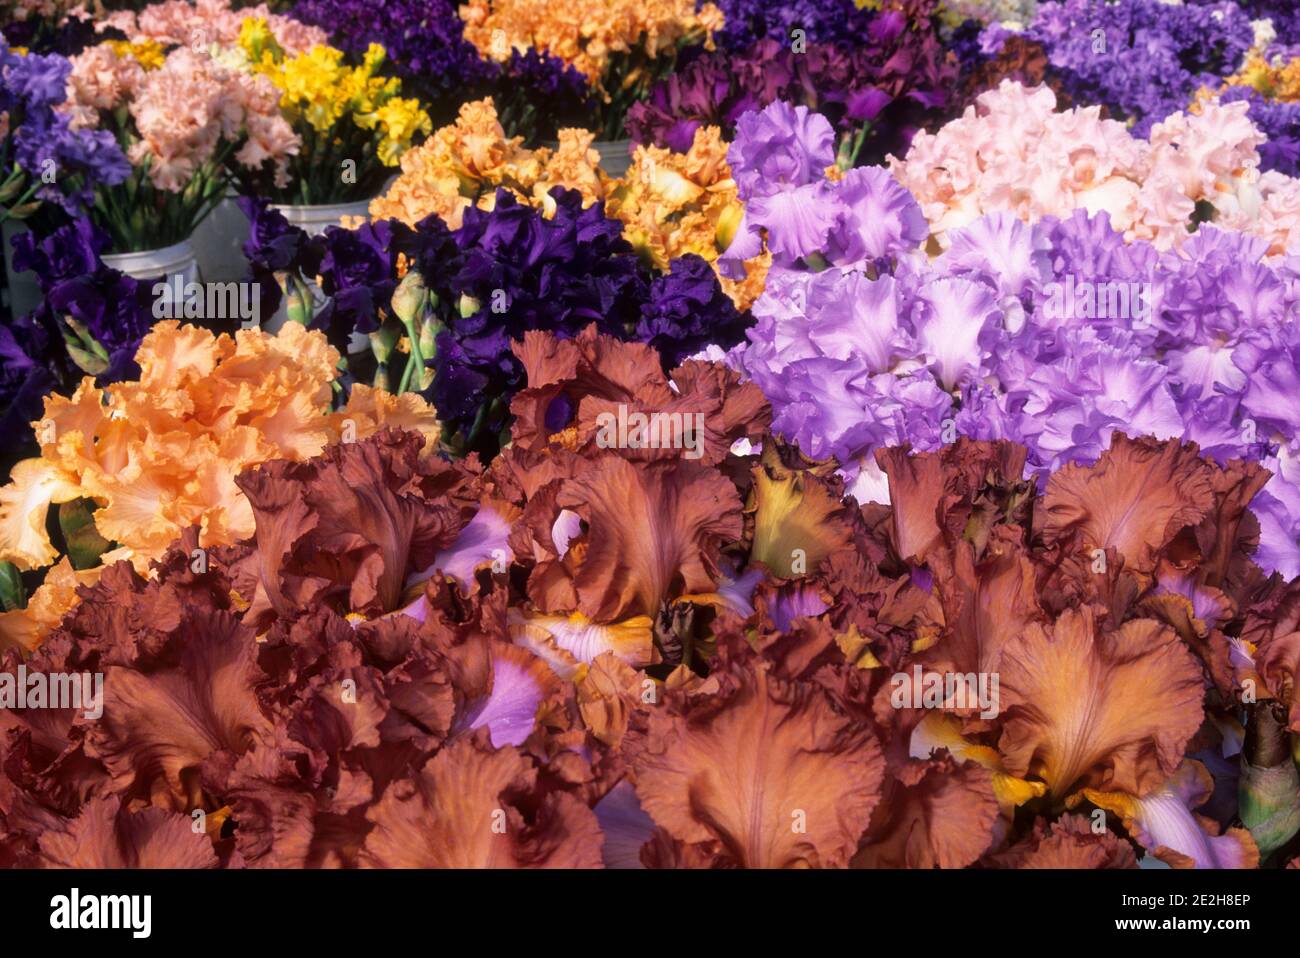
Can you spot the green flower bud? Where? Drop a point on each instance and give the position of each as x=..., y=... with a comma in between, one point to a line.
x=1269, y=791
x=384, y=340
x=410, y=297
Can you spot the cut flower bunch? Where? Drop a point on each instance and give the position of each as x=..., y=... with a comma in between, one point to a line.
x=184, y=120
x=621, y=46
x=354, y=125
x=651, y=434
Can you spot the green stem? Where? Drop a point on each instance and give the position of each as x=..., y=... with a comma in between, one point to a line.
x=415, y=361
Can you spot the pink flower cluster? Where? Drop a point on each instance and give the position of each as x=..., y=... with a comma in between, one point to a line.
x=100, y=80
x=1011, y=151
x=183, y=111
x=199, y=23
x=21, y=10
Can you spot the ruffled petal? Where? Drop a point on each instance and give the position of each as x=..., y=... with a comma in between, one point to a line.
x=520, y=683
x=463, y=810
x=1087, y=708
x=24, y=504
x=771, y=774
x=935, y=814
x=1138, y=496
x=107, y=835
x=1167, y=826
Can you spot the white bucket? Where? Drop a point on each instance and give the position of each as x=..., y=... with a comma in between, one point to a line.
x=219, y=242
x=316, y=219
x=163, y=265
x=615, y=156
x=24, y=288
x=175, y=260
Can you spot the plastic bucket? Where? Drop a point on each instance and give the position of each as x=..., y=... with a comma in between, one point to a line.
x=24, y=288
x=178, y=259
x=314, y=220
x=615, y=156
x=219, y=242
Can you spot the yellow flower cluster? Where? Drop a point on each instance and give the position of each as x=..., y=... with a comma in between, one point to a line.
x=586, y=35
x=150, y=54
x=463, y=164
x=161, y=453
x=319, y=88
x=1275, y=80
x=676, y=203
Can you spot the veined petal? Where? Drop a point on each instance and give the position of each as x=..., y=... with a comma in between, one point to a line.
x=24, y=503
x=1167, y=826
x=631, y=640
x=774, y=776
x=1087, y=708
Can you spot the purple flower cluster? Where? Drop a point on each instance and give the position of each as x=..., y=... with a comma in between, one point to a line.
x=1054, y=335
x=356, y=270
x=275, y=247
x=1141, y=59
x=1284, y=15
x=687, y=311
x=502, y=273
x=779, y=160
x=824, y=21
x=424, y=39
x=891, y=77
x=66, y=163
x=519, y=270
x=90, y=322
x=537, y=95
x=707, y=91
x=67, y=37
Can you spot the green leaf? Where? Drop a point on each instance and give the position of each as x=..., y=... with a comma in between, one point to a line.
x=85, y=544
x=12, y=594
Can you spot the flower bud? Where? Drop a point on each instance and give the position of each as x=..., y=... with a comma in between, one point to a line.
x=1269, y=791
x=410, y=297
